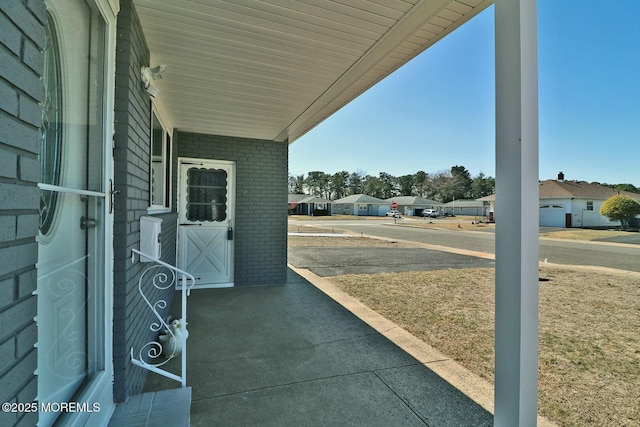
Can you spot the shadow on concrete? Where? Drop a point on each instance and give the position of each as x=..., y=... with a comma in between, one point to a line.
x=291, y=356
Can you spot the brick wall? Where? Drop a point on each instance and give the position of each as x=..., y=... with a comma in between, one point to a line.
x=21, y=64
x=261, y=202
x=132, y=317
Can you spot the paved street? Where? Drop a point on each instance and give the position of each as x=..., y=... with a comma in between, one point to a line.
x=604, y=254
x=334, y=261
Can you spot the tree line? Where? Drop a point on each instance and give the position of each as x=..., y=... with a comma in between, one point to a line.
x=443, y=186
x=622, y=187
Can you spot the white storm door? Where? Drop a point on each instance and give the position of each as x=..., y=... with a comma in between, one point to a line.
x=206, y=220
x=74, y=288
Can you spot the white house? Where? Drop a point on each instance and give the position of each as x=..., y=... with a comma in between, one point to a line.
x=575, y=204
x=570, y=204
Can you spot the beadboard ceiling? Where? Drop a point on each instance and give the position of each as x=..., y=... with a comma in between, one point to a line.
x=274, y=69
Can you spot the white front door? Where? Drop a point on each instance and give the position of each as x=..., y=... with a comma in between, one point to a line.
x=206, y=205
x=74, y=242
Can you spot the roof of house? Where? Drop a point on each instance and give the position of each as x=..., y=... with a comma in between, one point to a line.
x=465, y=203
x=306, y=198
x=560, y=189
x=412, y=201
x=360, y=198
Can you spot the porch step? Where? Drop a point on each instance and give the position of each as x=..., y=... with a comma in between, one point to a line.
x=159, y=408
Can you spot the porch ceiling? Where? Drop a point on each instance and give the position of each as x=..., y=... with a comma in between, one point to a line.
x=274, y=69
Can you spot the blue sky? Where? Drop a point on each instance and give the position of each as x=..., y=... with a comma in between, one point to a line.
x=438, y=110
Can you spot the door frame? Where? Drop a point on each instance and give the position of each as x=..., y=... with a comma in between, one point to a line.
x=100, y=389
x=231, y=197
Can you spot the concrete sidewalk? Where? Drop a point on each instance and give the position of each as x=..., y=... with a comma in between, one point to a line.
x=291, y=356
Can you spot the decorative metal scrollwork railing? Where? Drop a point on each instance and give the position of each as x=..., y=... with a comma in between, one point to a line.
x=162, y=276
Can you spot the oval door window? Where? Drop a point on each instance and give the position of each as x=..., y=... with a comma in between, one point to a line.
x=51, y=131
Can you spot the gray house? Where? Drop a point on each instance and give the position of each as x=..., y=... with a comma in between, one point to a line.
x=305, y=204
x=100, y=157
x=413, y=205
x=471, y=207
x=360, y=205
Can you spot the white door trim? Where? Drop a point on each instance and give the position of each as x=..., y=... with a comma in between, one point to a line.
x=98, y=394
x=230, y=220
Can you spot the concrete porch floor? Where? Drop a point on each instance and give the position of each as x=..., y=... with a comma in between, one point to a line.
x=291, y=356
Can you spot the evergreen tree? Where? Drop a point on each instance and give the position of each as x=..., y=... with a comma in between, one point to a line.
x=461, y=182
x=373, y=187
x=482, y=186
x=355, y=183
x=338, y=185
x=388, y=185
x=407, y=186
x=296, y=184
x=318, y=183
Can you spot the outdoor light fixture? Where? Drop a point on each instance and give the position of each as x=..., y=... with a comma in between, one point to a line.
x=147, y=74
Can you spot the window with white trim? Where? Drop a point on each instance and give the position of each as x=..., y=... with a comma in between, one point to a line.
x=160, y=171
x=589, y=206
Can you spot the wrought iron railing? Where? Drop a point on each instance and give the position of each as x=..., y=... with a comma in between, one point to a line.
x=157, y=277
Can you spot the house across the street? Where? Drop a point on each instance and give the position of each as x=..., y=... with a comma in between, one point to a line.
x=565, y=203
x=413, y=205
x=360, y=205
x=469, y=207
x=305, y=204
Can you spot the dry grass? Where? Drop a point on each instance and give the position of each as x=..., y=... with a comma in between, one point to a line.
x=589, y=333
x=580, y=234
x=302, y=228
x=295, y=241
x=451, y=224
x=334, y=218
x=352, y=240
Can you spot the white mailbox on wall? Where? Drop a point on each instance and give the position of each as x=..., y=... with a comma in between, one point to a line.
x=150, y=229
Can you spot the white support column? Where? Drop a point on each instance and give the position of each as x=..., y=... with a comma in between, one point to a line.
x=516, y=374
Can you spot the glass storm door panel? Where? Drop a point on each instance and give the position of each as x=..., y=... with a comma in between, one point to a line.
x=71, y=239
x=206, y=221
